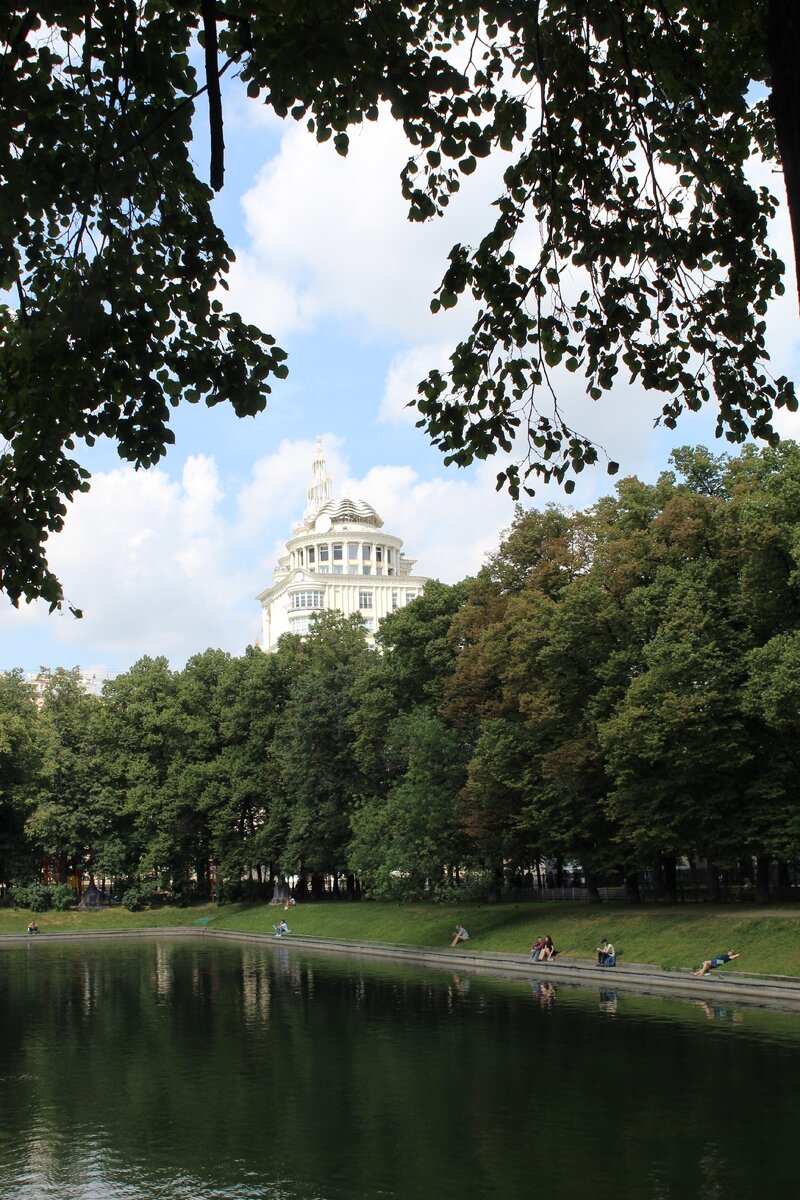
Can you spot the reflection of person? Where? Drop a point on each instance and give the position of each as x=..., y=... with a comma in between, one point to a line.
x=33, y=927
x=281, y=929
x=545, y=993
x=608, y=1002
x=712, y=963
x=461, y=985
x=716, y=1012
x=461, y=936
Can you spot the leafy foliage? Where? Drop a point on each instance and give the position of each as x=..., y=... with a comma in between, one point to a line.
x=138, y=896
x=632, y=126
x=627, y=127
x=112, y=257
x=616, y=688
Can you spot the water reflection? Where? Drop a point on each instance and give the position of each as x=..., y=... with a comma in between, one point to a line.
x=608, y=1002
x=545, y=993
x=163, y=970
x=208, y=1071
x=719, y=1012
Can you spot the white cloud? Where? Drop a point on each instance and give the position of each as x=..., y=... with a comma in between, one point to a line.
x=329, y=237
x=158, y=569
x=448, y=525
x=275, y=496
x=148, y=561
x=404, y=373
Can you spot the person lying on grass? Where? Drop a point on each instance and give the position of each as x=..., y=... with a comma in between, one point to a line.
x=712, y=963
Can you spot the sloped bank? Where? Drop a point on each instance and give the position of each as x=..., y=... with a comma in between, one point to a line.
x=760, y=990
x=767, y=991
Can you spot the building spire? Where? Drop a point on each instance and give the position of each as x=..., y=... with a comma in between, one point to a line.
x=320, y=488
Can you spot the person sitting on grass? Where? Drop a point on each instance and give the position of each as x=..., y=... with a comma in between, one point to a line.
x=712, y=963
x=537, y=948
x=461, y=936
x=548, y=950
x=281, y=929
x=605, y=954
x=33, y=927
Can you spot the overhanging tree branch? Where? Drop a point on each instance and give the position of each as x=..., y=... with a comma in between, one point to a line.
x=211, y=50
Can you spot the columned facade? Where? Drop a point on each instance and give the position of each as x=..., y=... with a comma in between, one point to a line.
x=340, y=559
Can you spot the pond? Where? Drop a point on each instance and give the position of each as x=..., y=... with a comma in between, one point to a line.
x=197, y=1070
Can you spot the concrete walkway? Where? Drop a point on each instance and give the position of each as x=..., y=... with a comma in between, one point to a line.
x=776, y=991
x=768, y=991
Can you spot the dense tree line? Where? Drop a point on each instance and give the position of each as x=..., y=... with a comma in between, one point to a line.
x=617, y=688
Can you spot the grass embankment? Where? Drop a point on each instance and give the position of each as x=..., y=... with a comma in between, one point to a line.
x=674, y=938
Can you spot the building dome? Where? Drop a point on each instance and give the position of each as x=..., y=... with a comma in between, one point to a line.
x=340, y=559
x=345, y=509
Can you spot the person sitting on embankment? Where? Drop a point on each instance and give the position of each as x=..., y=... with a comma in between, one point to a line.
x=537, y=948
x=548, y=950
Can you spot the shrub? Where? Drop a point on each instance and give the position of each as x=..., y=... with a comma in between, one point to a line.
x=34, y=896
x=138, y=896
x=474, y=887
x=62, y=896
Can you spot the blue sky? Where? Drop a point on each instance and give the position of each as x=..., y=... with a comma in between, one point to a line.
x=169, y=561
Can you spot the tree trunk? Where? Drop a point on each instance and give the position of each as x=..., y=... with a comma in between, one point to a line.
x=632, y=892
x=783, y=53
x=762, y=879
x=712, y=882
x=669, y=867
x=317, y=886
x=351, y=886
x=496, y=881
x=592, y=892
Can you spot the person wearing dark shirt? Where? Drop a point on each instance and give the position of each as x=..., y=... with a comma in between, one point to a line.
x=712, y=963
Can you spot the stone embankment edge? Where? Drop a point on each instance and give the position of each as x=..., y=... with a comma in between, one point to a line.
x=766, y=991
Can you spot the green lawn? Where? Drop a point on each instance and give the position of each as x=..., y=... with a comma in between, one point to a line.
x=675, y=937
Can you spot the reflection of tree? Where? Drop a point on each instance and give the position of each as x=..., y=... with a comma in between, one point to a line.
x=347, y=1079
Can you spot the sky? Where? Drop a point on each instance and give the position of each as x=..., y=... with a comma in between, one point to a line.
x=169, y=561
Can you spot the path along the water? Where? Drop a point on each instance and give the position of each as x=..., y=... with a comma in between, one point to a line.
x=768, y=991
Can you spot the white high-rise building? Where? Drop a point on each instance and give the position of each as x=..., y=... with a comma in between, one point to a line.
x=339, y=558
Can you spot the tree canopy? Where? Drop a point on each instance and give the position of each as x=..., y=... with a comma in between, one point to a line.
x=617, y=688
x=628, y=127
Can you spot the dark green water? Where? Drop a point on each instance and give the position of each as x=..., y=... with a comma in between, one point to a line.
x=175, y=1070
